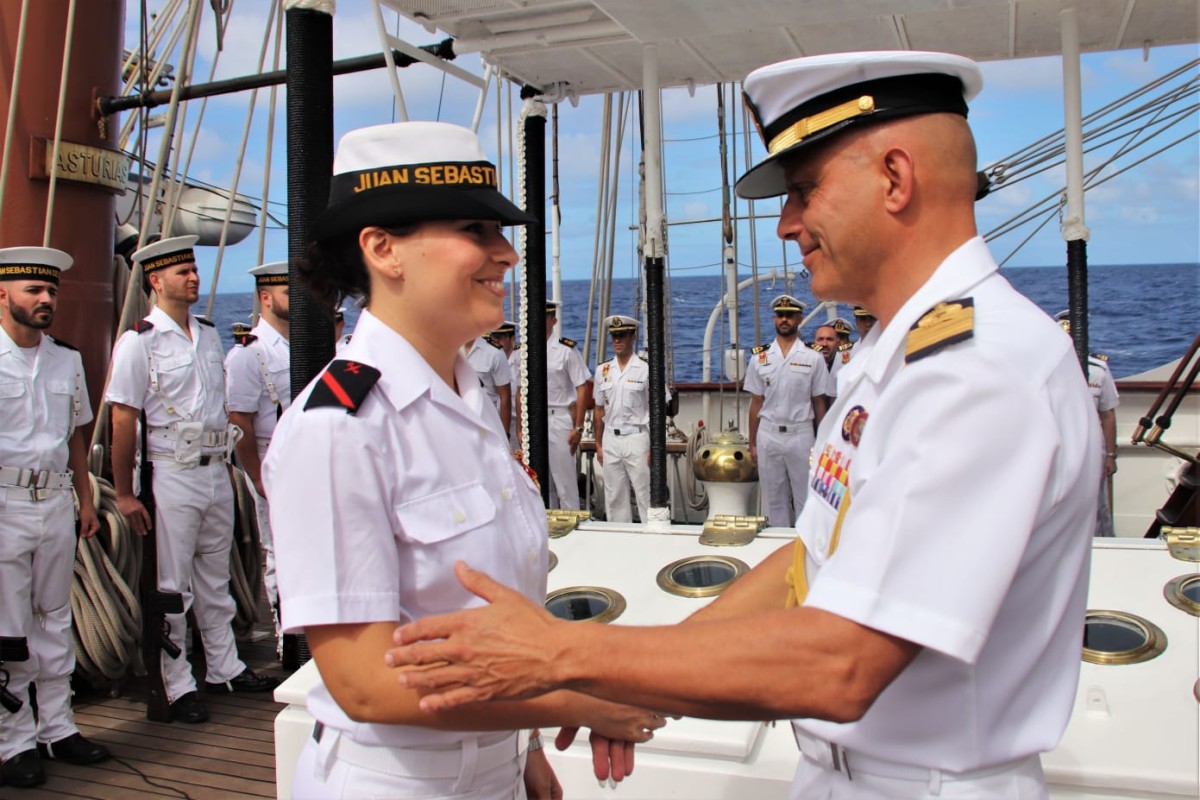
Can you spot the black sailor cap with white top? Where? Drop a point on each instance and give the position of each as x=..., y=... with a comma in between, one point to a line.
x=273, y=274
x=166, y=253
x=406, y=172
x=619, y=323
x=33, y=264
x=798, y=103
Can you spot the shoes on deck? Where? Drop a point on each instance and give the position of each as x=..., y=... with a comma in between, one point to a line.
x=246, y=682
x=23, y=770
x=75, y=750
x=190, y=709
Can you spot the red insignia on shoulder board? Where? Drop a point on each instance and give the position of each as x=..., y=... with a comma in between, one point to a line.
x=853, y=423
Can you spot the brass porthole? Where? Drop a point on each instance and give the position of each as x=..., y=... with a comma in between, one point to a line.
x=585, y=603
x=1184, y=593
x=553, y=562
x=1114, y=637
x=700, y=576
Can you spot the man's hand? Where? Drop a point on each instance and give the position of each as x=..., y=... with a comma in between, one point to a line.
x=135, y=513
x=504, y=650
x=599, y=454
x=89, y=523
x=573, y=439
x=753, y=453
x=540, y=781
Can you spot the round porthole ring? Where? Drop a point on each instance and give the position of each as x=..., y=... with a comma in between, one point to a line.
x=669, y=585
x=1174, y=592
x=553, y=562
x=1155, y=640
x=616, y=602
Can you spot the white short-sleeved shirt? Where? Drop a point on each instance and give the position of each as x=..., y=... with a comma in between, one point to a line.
x=37, y=404
x=565, y=372
x=1101, y=385
x=489, y=361
x=969, y=477
x=191, y=375
x=624, y=394
x=787, y=384
x=371, y=510
x=249, y=367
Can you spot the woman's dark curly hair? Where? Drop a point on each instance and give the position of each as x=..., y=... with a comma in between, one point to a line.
x=334, y=270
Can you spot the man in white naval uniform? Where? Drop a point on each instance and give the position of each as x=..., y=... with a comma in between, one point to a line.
x=169, y=371
x=787, y=383
x=491, y=364
x=258, y=378
x=923, y=632
x=622, y=419
x=43, y=403
x=566, y=397
x=825, y=342
x=1104, y=394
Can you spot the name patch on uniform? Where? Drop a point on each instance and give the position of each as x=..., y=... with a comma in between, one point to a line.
x=943, y=325
x=831, y=475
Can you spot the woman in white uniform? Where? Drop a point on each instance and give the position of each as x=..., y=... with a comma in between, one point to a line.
x=393, y=464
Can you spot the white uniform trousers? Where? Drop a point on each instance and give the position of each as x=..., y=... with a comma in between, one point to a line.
x=194, y=524
x=783, y=461
x=267, y=541
x=339, y=768
x=626, y=465
x=818, y=779
x=37, y=561
x=564, y=474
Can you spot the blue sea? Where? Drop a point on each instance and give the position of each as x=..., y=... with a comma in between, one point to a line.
x=1141, y=315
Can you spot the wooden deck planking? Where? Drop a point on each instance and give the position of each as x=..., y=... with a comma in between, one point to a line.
x=230, y=756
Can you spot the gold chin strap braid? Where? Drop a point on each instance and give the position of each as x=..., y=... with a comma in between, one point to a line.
x=797, y=574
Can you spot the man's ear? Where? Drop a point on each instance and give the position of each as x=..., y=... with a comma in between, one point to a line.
x=898, y=171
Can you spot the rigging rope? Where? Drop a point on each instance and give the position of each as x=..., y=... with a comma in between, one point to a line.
x=18, y=60
x=58, y=122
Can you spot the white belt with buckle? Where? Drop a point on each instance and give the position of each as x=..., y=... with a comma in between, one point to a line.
x=204, y=460
x=417, y=763
x=209, y=439
x=628, y=431
x=34, y=479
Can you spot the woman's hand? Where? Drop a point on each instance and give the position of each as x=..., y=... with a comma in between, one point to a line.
x=540, y=781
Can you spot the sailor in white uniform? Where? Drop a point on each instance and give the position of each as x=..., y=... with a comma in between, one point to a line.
x=392, y=465
x=43, y=403
x=169, y=372
x=1104, y=394
x=506, y=337
x=825, y=342
x=622, y=419
x=929, y=647
x=258, y=377
x=339, y=330
x=787, y=383
x=566, y=395
x=491, y=364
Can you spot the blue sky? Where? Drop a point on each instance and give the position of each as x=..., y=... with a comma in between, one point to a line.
x=1148, y=215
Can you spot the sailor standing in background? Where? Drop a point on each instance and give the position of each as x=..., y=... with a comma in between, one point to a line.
x=341, y=339
x=622, y=419
x=1104, y=395
x=787, y=383
x=258, y=371
x=566, y=396
x=863, y=322
x=43, y=403
x=825, y=342
x=506, y=337
x=491, y=364
x=169, y=371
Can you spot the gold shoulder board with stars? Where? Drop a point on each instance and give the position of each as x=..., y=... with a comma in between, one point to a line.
x=943, y=325
x=567, y=342
x=762, y=348
x=1100, y=356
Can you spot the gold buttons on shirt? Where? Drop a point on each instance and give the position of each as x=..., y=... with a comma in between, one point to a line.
x=459, y=516
x=506, y=494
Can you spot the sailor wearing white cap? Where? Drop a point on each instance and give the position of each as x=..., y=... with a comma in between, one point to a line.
x=168, y=372
x=43, y=403
x=787, y=383
x=937, y=587
x=622, y=419
x=258, y=377
x=1104, y=394
x=393, y=464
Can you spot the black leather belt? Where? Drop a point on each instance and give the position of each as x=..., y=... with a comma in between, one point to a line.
x=205, y=460
x=627, y=431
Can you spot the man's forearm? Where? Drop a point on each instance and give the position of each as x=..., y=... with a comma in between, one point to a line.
x=124, y=436
x=247, y=447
